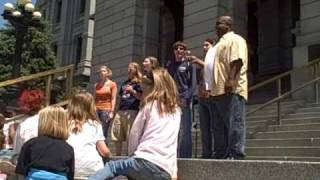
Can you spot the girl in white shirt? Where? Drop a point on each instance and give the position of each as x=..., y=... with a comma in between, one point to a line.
x=86, y=136
x=154, y=134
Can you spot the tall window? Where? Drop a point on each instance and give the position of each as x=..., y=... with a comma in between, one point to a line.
x=78, y=49
x=82, y=7
x=55, y=49
x=57, y=11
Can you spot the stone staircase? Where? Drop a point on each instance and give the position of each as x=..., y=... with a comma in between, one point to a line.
x=297, y=138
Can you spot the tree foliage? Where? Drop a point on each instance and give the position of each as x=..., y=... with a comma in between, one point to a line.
x=37, y=53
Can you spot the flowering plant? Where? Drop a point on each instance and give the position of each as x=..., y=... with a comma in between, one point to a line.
x=31, y=100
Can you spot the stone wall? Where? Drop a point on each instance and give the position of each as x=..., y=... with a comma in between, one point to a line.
x=116, y=43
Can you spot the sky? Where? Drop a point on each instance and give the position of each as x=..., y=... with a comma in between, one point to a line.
x=2, y=2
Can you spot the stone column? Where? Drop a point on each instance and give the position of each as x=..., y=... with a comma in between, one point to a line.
x=117, y=36
x=307, y=34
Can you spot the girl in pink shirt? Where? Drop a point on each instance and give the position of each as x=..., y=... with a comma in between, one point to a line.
x=154, y=134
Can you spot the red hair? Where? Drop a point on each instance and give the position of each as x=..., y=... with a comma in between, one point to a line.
x=31, y=101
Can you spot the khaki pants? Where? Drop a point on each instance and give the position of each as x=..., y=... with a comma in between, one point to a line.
x=121, y=125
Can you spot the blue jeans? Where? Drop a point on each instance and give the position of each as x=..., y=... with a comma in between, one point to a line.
x=206, y=127
x=185, y=134
x=228, y=111
x=105, y=122
x=133, y=168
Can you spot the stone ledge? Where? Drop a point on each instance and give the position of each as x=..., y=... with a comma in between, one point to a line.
x=200, y=169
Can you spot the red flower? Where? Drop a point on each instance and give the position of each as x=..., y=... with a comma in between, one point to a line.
x=31, y=100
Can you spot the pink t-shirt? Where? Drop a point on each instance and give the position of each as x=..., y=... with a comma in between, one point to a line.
x=154, y=137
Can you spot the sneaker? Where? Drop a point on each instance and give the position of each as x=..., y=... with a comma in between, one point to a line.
x=7, y=167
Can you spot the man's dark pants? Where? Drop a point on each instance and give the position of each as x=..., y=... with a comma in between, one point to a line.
x=228, y=112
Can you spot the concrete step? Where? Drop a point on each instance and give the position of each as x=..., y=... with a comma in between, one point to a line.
x=313, y=151
x=261, y=117
x=291, y=127
x=284, y=158
x=288, y=134
x=261, y=123
x=283, y=142
x=283, y=103
x=308, y=109
x=309, y=105
x=306, y=120
x=199, y=169
x=304, y=115
x=273, y=112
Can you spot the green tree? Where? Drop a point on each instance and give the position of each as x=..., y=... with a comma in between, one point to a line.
x=37, y=53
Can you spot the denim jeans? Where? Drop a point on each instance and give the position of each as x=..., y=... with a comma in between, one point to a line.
x=105, y=122
x=133, y=168
x=237, y=127
x=185, y=134
x=206, y=126
x=228, y=111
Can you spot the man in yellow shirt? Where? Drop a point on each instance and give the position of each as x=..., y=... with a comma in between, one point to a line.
x=229, y=92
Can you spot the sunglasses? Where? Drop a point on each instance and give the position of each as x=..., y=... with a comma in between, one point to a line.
x=180, y=48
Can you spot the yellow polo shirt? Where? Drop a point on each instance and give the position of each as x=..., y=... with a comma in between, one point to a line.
x=231, y=47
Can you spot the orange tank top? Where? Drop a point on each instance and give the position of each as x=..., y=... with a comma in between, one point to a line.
x=104, y=95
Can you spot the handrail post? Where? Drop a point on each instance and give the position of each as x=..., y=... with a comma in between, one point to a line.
x=316, y=84
x=48, y=90
x=69, y=82
x=278, y=102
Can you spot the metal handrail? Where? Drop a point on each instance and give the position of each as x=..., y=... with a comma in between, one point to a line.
x=49, y=75
x=287, y=94
x=271, y=80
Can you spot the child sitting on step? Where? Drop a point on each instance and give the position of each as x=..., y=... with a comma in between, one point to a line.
x=86, y=136
x=48, y=156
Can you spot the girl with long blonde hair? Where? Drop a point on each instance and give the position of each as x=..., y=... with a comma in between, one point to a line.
x=86, y=136
x=153, y=138
x=130, y=93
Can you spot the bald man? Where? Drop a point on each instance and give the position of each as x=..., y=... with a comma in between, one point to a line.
x=229, y=92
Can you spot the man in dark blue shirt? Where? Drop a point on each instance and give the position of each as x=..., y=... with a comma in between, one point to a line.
x=184, y=74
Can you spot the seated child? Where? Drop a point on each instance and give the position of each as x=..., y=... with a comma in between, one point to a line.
x=86, y=137
x=48, y=156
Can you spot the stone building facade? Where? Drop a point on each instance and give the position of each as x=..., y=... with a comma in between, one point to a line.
x=72, y=25
x=280, y=34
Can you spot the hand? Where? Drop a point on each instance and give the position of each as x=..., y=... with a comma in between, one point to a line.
x=129, y=89
x=111, y=114
x=229, y=86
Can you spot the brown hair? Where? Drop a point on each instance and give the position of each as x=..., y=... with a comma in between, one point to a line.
x=137, y=68
x=107, y=69
x=180, y=43
x=163, y=90
x=81, y=108
x=53, y=122
x=210, y=40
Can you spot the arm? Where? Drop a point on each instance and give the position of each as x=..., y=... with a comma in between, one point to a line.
x=193, y=83
x=114, y=90
x=197, y=61
x=23, y=160
x=136, y=93
x=103, y=149
x=234, y=72
x=71, y=162
x=237, y=51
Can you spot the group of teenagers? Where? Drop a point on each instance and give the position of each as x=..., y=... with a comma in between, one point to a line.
x=153, y=114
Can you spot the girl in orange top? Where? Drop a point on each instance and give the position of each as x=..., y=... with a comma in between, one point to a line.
x=106, y=92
